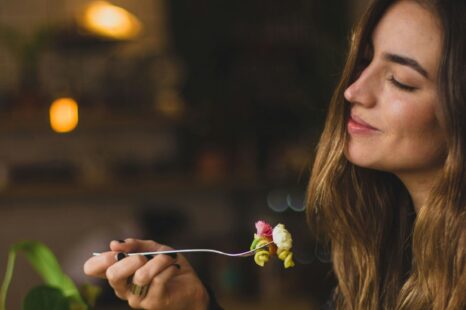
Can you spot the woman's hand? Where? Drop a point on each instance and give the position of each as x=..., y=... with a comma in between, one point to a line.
x=149, y=282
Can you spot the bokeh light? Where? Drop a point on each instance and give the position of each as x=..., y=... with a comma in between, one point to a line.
x=110, y=21
x=295, y=201
x=64, y=115
x=276, y=200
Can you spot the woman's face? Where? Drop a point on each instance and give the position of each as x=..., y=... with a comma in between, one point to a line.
x=394, y=124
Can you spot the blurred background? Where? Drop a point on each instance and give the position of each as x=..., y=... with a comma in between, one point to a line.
x=179, y=121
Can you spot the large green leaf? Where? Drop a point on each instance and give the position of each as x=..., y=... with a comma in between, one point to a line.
x=7, y=279
x=45, y=297
x=46, y=264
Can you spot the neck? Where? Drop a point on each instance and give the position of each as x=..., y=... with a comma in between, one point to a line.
x=419, y=185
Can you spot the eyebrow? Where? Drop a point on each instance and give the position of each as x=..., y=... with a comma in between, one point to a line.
x=406, y=61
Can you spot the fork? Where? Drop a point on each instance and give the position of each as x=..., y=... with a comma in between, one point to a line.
x=241, y=254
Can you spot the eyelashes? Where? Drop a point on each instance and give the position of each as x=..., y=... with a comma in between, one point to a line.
x=391, y=79
x=401, y=86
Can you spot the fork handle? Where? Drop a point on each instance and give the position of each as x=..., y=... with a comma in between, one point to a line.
x=168, y=252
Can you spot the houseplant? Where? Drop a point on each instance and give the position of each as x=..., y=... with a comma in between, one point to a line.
x=58, y=291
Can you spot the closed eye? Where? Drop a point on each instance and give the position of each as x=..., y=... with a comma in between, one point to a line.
x=402, y=86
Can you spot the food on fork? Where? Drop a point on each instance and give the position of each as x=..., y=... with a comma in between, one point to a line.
x=281, y=244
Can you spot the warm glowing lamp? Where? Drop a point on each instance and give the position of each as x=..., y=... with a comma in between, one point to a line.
x=110, y=21
x=64, y=115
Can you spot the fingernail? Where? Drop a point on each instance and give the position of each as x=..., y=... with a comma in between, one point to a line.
x=120, y=256
x=177, y=266
x=121, y=241
x=149, y=256
x=172, y=255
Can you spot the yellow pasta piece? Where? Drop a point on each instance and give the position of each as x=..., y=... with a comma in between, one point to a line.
x=262, y=255
x=286, y=256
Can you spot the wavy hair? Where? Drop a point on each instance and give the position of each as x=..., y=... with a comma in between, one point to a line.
x=384, y=255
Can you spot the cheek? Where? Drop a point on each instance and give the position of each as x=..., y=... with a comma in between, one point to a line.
x=404, y=120
x=412, y=120
x=415, y=131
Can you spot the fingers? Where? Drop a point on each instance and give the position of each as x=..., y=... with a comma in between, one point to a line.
x=155, y=266
x=156, y=297
x=159, y=282
x=148, y=273
x=118, y=274
x=97, y=265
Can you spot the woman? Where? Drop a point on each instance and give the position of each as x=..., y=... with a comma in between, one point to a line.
x=387, y=185
x=395, y=139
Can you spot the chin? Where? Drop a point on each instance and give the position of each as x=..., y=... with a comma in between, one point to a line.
x=362, y=159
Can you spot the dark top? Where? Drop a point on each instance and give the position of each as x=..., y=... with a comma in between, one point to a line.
x=213, y=303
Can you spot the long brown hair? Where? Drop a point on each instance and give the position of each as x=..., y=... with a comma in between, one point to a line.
x=384, y=256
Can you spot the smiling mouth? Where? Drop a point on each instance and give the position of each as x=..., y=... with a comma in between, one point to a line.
x=357, y=125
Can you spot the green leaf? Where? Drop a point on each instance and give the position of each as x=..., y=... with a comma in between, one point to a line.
x=45, y=297
x=45, y=263
x=7, y=279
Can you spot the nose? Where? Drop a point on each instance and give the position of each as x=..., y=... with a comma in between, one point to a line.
x=363, y=90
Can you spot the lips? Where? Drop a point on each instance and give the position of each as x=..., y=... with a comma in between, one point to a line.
x=358, y=125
